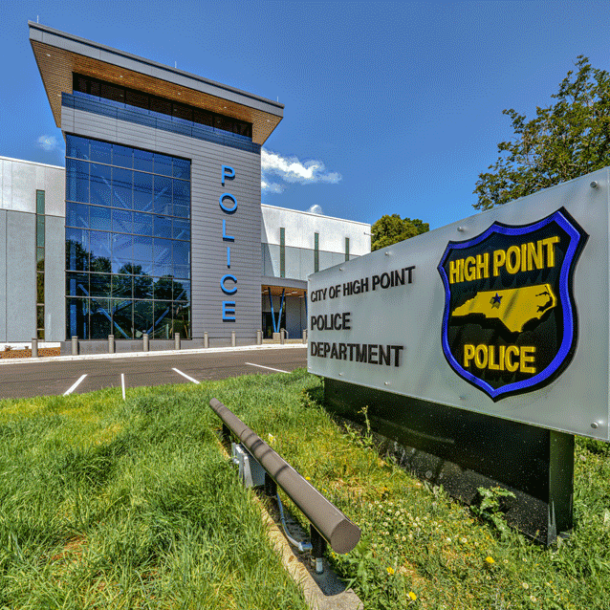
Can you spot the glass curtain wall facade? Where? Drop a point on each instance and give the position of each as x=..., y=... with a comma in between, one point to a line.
x=128, y=242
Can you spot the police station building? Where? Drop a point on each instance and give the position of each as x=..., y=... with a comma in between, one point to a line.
x=155, y=226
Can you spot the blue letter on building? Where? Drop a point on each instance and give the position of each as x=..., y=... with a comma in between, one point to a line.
x=227, y=172
x=223, y=279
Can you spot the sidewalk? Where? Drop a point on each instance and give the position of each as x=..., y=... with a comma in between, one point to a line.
x=172, y=352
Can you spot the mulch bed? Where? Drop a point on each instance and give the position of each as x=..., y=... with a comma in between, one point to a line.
x=27, y=353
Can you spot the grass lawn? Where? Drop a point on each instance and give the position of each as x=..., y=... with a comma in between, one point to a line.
x=106, y=503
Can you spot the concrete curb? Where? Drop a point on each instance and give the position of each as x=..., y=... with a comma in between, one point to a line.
x=177, y=353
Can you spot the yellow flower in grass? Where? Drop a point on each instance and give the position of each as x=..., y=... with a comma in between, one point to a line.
x=390, y=571
x=412, y=595
x=490, y=560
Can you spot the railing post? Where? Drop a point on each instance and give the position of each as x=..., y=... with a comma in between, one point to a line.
x=34, y=348
x=318, y=546
x=232, y=338
x=111, y=344
x=145, y=342
x=177, y=341
x=270, y=486
x=75, y=345
x=226, y=434
x=206, y=340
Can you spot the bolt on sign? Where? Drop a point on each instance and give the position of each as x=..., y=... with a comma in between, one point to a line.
x=504, y=313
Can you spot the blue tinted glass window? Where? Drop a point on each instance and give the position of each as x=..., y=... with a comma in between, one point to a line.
x=162, y=261
x=182, y=192
x=143, y=191
x=77, y=147
x=182, y=290
x=100, y=318
x=142, y=317
x=143, y=252
x=142, y=223
x=127, y=272
x=100, y=218
x=101, y=193
x=163, y=195
x=122, y=156
x=182, y=169
x=182, y=320
x=162, y=226
x=122, y=252
x=122, y=221
x=77, y=180
x=100, y=245
x=181, y=229
x=143, y=160
x=100, y=284
x=122, y=318
x=77, y=284
x=163, y=165
x=77, y=215
x=122, y=286
x=163, y=320
x=122, y=191
x=142, y=285
x=184, y=211
x=163, y=288
x=77, y=249
x=182, y=251
x=101, y=152
x=77, y=318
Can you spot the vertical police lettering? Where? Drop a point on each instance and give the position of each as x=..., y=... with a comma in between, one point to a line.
x=228, y=282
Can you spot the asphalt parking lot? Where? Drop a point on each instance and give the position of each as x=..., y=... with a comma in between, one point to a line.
x=76, y=376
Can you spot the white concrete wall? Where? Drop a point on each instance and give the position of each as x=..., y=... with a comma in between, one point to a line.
x=301, y=226
x=19, y=181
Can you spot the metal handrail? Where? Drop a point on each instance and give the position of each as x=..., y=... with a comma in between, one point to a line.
x=340, y=533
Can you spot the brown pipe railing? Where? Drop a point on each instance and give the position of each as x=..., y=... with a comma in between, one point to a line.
x=340, y=533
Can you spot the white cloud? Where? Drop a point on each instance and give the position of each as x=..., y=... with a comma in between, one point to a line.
x=315, y=209
x=291, y=169
x=272, y=187
x=48, y=143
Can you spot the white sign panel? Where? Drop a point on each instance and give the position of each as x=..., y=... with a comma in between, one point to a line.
x=504, y=313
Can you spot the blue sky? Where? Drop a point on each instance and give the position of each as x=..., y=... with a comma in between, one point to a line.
x=390, y=107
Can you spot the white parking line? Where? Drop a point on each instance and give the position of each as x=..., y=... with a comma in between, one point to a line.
x=186, y=376
x=70, y=390
x=266, y=367
x=123, y=384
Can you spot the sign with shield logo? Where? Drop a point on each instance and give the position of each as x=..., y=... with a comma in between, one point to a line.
x=509, y=322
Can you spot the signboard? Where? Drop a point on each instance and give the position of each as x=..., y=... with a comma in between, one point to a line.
x=505, y=313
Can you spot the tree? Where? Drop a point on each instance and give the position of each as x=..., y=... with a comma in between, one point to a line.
x=567, y=139
x=390, y=230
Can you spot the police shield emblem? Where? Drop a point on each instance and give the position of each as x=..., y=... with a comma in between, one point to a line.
x=509, y=323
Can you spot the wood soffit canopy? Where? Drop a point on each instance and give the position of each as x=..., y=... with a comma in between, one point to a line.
x=57, y=65
x=276, y=291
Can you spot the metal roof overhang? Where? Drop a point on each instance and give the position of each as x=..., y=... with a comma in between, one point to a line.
x=59, y=55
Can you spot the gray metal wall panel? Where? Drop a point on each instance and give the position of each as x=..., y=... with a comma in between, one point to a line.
x=295, y=317
x=208, y=250
x=3, y=261
x=55, y=279
x=20, y=276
